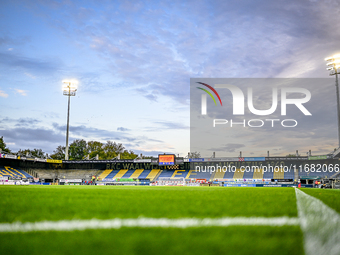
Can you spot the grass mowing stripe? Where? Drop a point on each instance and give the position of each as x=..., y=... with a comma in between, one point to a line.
x=320, y=225
x=153, y=241
x=53, y=203
x=145, y=223
x=328, y=196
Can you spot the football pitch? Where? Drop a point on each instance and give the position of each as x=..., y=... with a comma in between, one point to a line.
x=154, y=220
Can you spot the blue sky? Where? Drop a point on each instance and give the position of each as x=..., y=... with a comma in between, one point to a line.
x=134, y=61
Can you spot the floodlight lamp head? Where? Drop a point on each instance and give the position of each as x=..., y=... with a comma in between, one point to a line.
x=70, y=85
x=333, y=58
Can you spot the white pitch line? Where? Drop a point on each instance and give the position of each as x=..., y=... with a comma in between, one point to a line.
x=320, y=225
x=70, y=225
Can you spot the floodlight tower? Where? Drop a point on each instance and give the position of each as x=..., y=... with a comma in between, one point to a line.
x=69, y=89
x=333, y=64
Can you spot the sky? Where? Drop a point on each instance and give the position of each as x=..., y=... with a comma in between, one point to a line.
x=134, y=60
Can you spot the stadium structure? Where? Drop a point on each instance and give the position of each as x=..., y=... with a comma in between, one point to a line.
x=310, y=171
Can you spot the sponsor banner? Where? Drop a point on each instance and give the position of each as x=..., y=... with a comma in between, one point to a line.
x=22, y=158
x=196, y=159
x=10, y=156
x=186, y=160
x=32, y=159
x=2, y=155
x=40, y=159
x=154, y=161
x=179, y=160
x=98, y=161
x=70, y=180
x=221, y=159
x=255, y=159
x=147, y=160
x=239, y=185
x=166, y=159
x=285, y=158
x=36, y=179
x=282, y=180
x=54, y=161
x=284, y=185
x=3, y=178
x=317, y=157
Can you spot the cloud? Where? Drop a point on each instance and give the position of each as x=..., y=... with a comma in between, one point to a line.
x=22, y=137
x=90, y=133
x=46, y=66
x=21, y=92
x=167, y=125
x=3, y=94
x=231, y=147
x=123, y=129
x=30, y=75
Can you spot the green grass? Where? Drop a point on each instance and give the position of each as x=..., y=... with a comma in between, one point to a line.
x=37, y=203
x=211, y=240
x=329, y=196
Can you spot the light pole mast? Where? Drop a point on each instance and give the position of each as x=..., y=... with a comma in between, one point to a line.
x=333, y=66
x=69, y=91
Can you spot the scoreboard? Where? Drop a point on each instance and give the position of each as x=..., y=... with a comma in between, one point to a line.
x=166, y=159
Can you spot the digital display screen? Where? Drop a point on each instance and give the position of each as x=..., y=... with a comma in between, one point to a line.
x=166, y=159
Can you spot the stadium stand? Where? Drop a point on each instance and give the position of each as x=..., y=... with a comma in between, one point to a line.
x=121, y=173
x=268, y=175
x=279, y=174
x=199, y=175
x=104, y=174
x=124, y=173
x=229, y=175
x=289, y=175
x=238, y=174
x=128, y=174
x=219, y=174
x=67, y=174
x=320, y=174
x=174, y=174
x=248, y=174
x=258, y=174
x=136, y=173
x=111, y=175
x=144, y=174
x=15, y=173
x=153, y=174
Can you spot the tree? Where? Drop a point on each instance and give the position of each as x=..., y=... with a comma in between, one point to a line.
x=3, y=145
x=194, y=154
x=78, y=149
x=291, y=156
x=94, y=148
x=128, y=155
x=112, y=149
x=59, y=153
x=37, y=153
